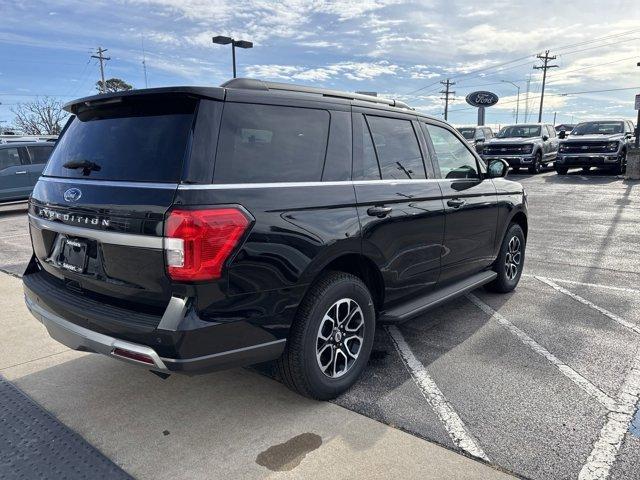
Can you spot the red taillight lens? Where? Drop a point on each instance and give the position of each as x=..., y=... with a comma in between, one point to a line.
x=198, y=242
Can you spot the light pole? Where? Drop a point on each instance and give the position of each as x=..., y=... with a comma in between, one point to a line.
x=637, y=132
x=234, y=43
x=518, y=100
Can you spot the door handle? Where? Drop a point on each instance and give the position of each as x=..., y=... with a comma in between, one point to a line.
x=21, y=172
x=456, y=202
x=379, y=212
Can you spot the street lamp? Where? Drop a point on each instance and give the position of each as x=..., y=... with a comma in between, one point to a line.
x=234, y=43
x=518, y=101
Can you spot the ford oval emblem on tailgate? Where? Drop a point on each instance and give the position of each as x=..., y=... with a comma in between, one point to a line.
x=72, y=195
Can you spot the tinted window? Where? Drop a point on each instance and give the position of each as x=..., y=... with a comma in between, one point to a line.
x=9, y=157
x=597, y=128
x=370, y=169
x=39, y=154
x=397, y=148
x=142, y=141
x=454, y=158
x=520, y=131
x=265, y=143
x=467, y=133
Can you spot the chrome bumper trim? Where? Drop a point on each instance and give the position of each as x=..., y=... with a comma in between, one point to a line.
x=83, y=339
x=114, y=238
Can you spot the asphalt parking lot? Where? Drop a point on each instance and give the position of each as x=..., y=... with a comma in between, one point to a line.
x=543, y=382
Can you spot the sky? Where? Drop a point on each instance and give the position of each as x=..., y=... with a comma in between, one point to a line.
x=400, y=49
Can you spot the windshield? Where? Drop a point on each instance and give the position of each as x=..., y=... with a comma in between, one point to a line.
x=467, y=133
x=598, y=128
x=519, y=131
x=141, y=140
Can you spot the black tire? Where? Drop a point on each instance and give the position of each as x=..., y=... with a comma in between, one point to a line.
x=299, y=367
x=507, y=280
x=537, y=164
x=621, y=167
x=562, y=170
x=586, y=169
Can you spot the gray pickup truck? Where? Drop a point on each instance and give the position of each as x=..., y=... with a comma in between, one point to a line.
x=523, y=145
x=601, y=143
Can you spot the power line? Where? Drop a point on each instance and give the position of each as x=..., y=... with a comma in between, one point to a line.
x=544, y=67
x=447, y=92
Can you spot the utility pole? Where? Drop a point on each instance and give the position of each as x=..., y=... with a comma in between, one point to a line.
x=554, y=118
x=544, y=67
x=144, y=64
x=102, y=59
x=526, y=100
x=447, y=92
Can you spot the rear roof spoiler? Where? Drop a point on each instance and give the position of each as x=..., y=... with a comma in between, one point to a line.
x=215, y=93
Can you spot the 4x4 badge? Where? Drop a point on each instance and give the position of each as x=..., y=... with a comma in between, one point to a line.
x=72, y=195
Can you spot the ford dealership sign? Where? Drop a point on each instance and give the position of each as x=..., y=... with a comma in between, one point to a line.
x=482, y=99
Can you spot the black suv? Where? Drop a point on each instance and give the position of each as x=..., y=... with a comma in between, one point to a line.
x=192, y=229
x=601, y=143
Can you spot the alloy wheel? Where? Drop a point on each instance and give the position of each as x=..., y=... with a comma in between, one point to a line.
x=340, y=337
x=513, y=257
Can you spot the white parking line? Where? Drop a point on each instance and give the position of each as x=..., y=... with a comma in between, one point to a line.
x=451, y=420
x=16, y=235
x=586, y=284
x=608, y=402
x=625, y=323
x=606, y=448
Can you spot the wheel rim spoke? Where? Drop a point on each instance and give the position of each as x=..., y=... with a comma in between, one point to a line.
x=340, y=337
x=513, y=257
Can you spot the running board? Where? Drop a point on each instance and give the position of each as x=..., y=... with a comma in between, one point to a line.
x=415, y=307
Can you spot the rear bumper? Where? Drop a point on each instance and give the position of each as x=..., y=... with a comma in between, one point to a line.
x=589, y=160
x=78, y=337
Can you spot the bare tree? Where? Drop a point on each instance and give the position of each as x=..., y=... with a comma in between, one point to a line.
x=43, y=116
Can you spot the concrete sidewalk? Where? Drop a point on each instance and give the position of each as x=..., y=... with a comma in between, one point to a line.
x=233, y=424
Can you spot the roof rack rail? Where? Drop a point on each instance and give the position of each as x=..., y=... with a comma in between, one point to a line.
x=253, y=84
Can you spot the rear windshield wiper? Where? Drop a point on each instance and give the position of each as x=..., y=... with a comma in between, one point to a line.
x=86, y=166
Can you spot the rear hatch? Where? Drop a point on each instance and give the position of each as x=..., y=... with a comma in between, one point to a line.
x=97, y=213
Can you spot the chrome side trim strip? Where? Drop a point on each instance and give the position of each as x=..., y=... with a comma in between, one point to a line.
x=228, y=186
x=114, y=238
x=110, y=183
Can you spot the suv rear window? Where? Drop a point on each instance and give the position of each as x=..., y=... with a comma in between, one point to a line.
x=267, y=143
x=143, y=139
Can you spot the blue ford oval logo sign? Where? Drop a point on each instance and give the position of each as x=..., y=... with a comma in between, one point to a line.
x=482, y=99
x=72, y=195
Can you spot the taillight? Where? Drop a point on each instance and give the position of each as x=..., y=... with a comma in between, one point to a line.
x=198, y=242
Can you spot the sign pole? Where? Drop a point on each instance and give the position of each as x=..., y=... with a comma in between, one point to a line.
x=637, y=132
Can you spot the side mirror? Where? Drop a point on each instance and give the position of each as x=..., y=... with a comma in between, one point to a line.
x=497, y=169
x=562, y=134
x=545, y=138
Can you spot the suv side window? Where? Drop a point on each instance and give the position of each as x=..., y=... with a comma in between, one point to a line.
x=39, y=155
x=488, y=133
x=9, y=157
x=370, y=166
x=268, y=143
x=397, y=148
x=552, y=131
x=480, y=134
x=453, y=156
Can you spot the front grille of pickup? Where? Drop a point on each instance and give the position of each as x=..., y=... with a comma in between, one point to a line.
x=591, y=147
x=505, y=149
